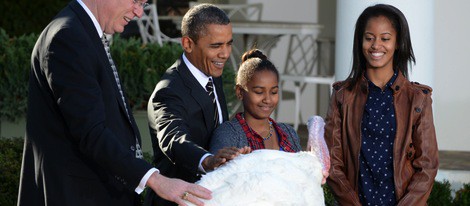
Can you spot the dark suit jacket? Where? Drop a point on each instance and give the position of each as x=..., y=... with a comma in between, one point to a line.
x=181, y=119
x=79, y=142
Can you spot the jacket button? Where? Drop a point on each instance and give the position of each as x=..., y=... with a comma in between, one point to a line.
x=132, y=148
x=417, y=109
x=410, y=154
x=411, y=145
x=397, y=88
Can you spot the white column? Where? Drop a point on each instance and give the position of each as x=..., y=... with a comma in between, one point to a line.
x=420, y=16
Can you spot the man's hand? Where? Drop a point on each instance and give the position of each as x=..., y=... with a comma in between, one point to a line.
x=223, y=155
x=177, y=190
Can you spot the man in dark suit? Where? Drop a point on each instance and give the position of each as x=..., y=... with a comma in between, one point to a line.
x=182, y=112
x=82, y=145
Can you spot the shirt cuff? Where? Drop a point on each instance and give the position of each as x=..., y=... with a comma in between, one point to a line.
x=201, y=168
x=140, y=188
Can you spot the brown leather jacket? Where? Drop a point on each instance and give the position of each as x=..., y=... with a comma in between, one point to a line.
x=415, y=157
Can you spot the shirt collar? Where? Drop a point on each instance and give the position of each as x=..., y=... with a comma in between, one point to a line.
x=200, y=77
x=392, y=80
x=389, y=83
x=95, y=22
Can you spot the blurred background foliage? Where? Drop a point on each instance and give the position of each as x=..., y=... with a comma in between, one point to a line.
x=140, y=68
x=15, y=60
x=26, y=17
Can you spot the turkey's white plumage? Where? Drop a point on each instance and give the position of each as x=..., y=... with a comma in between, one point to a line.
x=267, y=177
x=271, y=177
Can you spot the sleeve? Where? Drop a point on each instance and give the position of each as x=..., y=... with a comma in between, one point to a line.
x=226, y=135
x=426, y=162
x=75, y=85
x=293, y=137
x=337, y=180
x=169, y=118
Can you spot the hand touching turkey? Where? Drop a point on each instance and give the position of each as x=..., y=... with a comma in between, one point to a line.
x=273, y=177
x=223, y=155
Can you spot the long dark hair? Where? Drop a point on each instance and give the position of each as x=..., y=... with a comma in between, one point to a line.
x=404, y=51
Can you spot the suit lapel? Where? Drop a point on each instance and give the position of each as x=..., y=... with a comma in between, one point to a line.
x=198, y=93
x=89, y=27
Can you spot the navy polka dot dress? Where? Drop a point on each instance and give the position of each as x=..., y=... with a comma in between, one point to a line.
x=378, y=129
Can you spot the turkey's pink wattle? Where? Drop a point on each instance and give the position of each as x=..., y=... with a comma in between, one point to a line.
x=316, y=141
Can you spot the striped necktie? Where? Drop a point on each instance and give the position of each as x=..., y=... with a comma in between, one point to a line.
x=138, y=149
x=113, y=66
x=210, y=91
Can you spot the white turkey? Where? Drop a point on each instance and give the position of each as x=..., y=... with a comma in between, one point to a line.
x=271, y=177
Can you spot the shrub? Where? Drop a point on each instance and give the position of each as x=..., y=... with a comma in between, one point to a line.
x=25, y=16
x=440, y=194
x=141, y=66
x=228, y=79
x=462, y=196
x=11, y=150
x=329, y=197
x=15, y=62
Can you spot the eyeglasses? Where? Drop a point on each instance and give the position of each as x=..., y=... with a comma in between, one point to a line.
x=140, y=3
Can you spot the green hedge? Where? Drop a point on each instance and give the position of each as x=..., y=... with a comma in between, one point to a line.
x=140, y=68
x=440, y=194
x=462, y=197
x=11, y=150
x=15, y=61
x=25, y=16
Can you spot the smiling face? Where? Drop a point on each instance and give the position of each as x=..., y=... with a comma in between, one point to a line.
x=116, y=14
x=379, y=43
x=261, y=97
x=210, y=52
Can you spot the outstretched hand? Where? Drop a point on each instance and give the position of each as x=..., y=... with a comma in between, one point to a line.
x=177, y=190
x=223, y=155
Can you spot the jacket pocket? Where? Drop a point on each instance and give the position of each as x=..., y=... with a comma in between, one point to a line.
x=410, y=156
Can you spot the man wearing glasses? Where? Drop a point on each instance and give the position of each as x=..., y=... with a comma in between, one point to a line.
x=82, y=145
